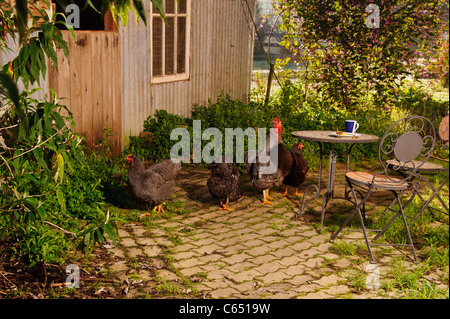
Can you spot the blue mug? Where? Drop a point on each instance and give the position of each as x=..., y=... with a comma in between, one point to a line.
x=351, y=126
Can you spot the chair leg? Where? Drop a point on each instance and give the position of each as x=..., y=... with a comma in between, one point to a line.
x=400, y=212
x=407, y=228
x=361, y=219
x=435, y=194
x=348, y=218
x=396, y=199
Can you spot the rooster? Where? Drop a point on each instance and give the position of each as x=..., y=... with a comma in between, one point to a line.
x=297, y=175
x=225, y=183
x=266, y=181
x=152, y=185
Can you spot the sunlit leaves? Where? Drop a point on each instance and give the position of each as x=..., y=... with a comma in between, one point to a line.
x=346, y=59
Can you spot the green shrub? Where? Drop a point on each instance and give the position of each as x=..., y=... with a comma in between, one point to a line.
x=51, y=191
x=160, y=126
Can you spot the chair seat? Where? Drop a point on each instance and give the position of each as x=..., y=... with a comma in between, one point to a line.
x=426, y=167
x=381, y=181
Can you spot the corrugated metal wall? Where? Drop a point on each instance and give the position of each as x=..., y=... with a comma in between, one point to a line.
x=221, y=55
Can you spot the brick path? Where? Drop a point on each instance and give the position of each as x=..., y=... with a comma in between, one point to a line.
x=253, y=251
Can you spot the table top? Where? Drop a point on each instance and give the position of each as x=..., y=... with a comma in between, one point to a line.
x=332, y=137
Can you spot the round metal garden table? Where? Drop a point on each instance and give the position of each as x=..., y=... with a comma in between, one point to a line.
x=329, y=138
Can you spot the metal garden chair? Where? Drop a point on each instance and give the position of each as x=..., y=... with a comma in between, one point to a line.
x=408, y=139
x=429, y=168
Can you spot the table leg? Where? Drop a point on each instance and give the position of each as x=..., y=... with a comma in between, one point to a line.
x=329, y=194
x=331, y=173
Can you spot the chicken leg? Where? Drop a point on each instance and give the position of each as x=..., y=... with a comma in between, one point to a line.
x=225, y=206
x=266, y=198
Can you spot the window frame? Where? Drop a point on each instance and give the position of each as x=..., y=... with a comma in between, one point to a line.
x=155, y=79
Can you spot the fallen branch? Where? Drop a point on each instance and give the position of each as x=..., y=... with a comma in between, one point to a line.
x=61, y=229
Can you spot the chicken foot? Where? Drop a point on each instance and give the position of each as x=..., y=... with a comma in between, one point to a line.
x=286, y=193
x=225, y=206
x=266, y=197
x=158, y=209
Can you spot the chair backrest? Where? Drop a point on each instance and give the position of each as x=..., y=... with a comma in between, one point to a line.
x=408, y=142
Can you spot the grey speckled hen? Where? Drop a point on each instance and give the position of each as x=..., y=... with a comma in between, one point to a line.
x=153, y=185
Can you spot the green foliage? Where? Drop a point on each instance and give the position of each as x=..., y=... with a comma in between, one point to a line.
x=438, y=68
x=160, y=126
x=51, y=193
x=47, y=213
x=348, y=57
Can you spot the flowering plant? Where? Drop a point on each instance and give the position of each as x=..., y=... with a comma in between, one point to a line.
x=352, y=48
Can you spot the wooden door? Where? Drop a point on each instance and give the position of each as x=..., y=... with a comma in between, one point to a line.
x=89, y=84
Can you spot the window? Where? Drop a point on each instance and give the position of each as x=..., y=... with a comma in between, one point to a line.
x=170, y=42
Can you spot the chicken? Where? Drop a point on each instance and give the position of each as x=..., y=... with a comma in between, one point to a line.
x=225, y=183
x=153, y=185
x=266, y=181
x=297, y=175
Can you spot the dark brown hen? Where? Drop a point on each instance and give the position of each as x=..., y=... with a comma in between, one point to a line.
x=255, y=168
x=297, y=175
x=153, y=185
x=225, y=183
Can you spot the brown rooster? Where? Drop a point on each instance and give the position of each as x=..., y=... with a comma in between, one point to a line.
x=266, y=181
x=297, y=175
x=225, y=183
x=152, y=185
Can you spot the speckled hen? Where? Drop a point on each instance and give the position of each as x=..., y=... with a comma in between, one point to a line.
x=153, y=185
x=225, y=183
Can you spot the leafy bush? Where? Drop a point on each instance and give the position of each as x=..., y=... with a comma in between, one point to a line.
x=160, y=126
x=51, y=191
x=354, y=48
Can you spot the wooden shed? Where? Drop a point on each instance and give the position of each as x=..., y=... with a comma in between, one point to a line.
x=117, y=77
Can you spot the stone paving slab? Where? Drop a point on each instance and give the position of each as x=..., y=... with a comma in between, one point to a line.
x=253, y=251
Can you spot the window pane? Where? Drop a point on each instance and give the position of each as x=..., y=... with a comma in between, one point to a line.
x=170, y=6
x=182, y=7
x=181, y=45
x=157, y=46
x=170, y=46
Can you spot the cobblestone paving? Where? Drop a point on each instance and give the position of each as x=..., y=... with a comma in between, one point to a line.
x=253, y=251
